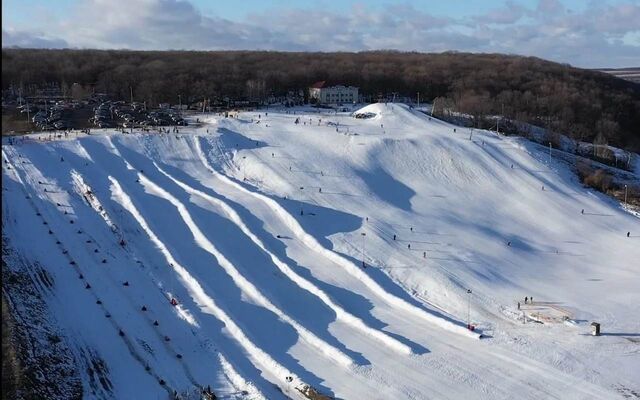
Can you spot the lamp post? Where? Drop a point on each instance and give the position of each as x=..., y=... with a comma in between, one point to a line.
x=364, y=265
x=244, y=168
x=301, y=209
x=469, y=309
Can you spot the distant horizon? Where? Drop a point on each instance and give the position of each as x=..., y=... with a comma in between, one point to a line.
x=590, y=35
x=322, y=51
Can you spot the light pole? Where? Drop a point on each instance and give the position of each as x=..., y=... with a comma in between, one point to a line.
x=364, y=265
x=469, y=309
x=625, y=196
x=244, y=168
x=301, y=209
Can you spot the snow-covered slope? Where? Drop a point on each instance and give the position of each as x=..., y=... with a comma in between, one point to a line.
x=259, y=227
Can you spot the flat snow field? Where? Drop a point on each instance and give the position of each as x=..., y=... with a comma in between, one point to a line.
x=337, y=253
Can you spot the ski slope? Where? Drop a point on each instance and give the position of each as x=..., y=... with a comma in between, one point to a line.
x=255, y=226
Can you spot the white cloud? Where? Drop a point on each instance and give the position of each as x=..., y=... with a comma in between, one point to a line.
x=597, y=36
x=26, y=39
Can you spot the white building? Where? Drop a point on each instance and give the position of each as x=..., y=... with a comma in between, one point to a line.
x=333, y=94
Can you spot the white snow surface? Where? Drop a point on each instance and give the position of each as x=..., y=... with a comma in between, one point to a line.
x=254, y=224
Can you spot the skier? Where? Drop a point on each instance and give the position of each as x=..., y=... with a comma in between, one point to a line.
x=61, y=159
x=509, y=243
x=174, y=302
x=409, y=246
x=320, y=190
x=531, y=299
x=394, y=237
x=582, y=211
x=411, y=229
x=511, y=166
x=543, y=188
x=628, y=233
x=424, y=254
x=518, y=305
x=526, y=299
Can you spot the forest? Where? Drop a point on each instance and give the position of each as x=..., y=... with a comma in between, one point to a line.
x=583, y=104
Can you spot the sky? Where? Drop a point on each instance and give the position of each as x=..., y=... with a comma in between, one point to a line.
x=583, y=33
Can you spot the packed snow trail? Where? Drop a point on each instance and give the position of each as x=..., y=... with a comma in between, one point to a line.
x=204, y=341
x=352, y=269
x=352, y=320
x=199, y=294
x=246, y=286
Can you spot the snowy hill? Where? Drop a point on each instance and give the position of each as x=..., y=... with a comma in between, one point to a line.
x=259, y=227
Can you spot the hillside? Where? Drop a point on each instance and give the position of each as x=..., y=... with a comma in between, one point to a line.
x=584, y=104
x=254, y=225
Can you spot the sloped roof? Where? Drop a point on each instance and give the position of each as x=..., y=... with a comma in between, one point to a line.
x=319, y=85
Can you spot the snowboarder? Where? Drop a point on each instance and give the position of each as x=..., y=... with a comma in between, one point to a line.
x=628, y=233
x=61, y=159
x=409, y=246
x=301, y=212
x=509, y=243
x=454, y=130
x=411, y=229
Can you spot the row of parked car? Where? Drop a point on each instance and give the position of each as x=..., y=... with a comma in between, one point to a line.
x=133, y=115
x=50, y=119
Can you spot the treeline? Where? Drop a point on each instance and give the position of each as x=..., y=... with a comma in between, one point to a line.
x=587, y=105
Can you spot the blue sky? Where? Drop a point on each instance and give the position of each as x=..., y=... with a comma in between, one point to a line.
x=588, y=33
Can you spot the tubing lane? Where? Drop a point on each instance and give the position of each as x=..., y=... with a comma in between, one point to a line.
x=255, y=353
x=305, y=284
x=351, y=268
x=243, y=283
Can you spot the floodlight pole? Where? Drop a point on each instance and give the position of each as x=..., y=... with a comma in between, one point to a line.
x=418, y=99
x=469, y=309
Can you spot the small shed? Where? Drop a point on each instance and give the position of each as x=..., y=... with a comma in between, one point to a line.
x=595, y=329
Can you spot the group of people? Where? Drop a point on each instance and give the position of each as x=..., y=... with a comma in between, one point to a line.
x=527, y=300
